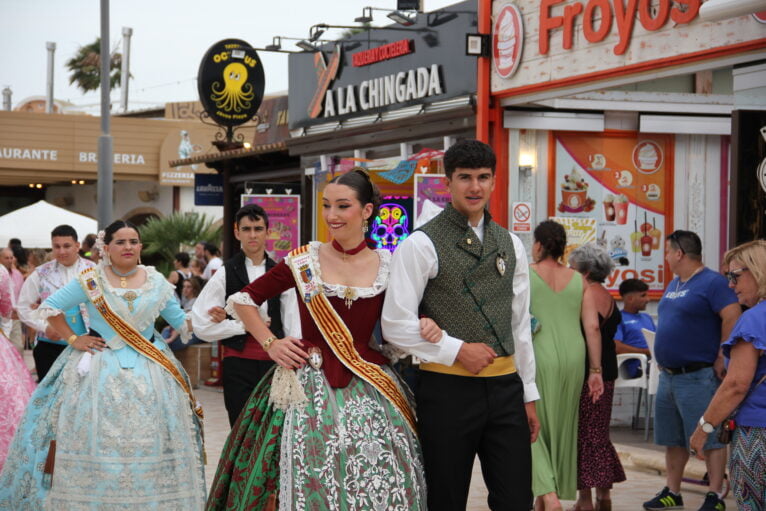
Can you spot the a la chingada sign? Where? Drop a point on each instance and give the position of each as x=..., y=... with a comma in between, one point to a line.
x=378, y=70
x=230, y=82
x=284, y=213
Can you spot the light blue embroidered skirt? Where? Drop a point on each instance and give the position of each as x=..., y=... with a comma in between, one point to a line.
x=125, y=439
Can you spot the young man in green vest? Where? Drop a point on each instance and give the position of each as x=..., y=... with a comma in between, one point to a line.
x=476, y=386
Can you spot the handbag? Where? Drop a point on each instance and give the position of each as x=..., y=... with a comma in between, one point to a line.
x=726, y=430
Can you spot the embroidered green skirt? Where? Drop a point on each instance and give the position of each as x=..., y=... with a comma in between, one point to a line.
x=346, y=449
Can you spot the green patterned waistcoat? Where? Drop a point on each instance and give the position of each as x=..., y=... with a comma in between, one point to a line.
x=470, y=297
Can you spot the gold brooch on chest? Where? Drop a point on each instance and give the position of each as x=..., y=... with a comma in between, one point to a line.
x=349, y=295
x=500, y=264
x=129, y=297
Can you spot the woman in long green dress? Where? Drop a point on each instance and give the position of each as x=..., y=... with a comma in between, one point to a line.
x=557, y=301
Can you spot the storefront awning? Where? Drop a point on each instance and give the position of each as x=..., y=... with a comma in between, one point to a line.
x=228, y=155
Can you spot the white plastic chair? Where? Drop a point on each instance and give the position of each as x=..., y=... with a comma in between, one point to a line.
x=641, y=383
x=654, y=376
x=654, y=369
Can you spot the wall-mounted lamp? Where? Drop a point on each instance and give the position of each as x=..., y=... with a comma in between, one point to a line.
x=366, y=16
x=477, y=45
x=406, y=19
x=306, y=46
x=276, y=44
x=526, y=164
x=716, y=10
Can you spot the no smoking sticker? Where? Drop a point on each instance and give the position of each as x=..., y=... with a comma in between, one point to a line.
x=522, y=217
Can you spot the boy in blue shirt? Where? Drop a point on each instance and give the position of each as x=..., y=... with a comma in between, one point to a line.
x=629, y=338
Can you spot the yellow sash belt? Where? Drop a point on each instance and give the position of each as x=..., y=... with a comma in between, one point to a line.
x=501, y=366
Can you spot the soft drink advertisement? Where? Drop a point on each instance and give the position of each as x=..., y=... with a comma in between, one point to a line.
x=284, y=222
x=624, y=182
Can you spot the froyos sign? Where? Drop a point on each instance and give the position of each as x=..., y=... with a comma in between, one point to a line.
x=652, y=14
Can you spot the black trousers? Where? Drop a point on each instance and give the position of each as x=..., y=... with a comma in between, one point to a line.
x=460, y=417
x=45, y=354
x=240, y=377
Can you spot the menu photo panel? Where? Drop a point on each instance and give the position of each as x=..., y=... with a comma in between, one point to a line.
x=623, y=181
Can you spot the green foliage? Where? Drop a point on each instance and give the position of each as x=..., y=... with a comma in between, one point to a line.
x=85, y=67
x=165, y=237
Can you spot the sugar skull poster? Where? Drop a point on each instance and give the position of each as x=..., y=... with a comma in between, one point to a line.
x=393, y=223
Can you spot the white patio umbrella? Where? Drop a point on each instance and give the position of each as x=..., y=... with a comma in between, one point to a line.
x=33, y=224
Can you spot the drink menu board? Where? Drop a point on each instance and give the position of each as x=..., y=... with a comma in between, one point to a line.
x=284, y=222
x=622, y=180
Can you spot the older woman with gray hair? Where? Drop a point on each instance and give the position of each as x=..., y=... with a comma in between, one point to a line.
x=598, y=465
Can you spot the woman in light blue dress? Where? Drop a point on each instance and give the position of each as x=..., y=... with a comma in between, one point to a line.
x=127, y=432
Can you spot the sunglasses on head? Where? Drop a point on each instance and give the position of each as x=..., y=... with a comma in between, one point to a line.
x=734, y=275
x=676, y=239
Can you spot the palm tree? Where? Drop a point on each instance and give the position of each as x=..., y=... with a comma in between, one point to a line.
x=86, y=67
x=166, y=236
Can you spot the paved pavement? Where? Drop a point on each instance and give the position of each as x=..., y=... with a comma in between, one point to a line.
x=643, y=461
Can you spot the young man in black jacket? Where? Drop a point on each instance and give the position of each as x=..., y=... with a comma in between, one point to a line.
x=244, y=361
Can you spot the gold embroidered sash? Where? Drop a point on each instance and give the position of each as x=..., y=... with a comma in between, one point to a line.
x=338, y=336
x=92, y=287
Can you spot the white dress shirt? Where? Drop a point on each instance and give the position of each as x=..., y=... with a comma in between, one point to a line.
x=212, y=266
x=30, y=296
x=214, y=295
x=414, y=263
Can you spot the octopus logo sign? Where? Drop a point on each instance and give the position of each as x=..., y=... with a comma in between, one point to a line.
x=231, y=82
x=507, y=40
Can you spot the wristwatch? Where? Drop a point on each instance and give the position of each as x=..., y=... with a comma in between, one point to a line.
x=706, y=426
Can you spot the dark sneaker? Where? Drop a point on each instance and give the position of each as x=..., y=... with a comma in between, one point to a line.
x=667, y=500
x=712, y=503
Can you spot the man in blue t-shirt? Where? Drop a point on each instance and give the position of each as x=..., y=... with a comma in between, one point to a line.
x=696, y=313
x=629, y=338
